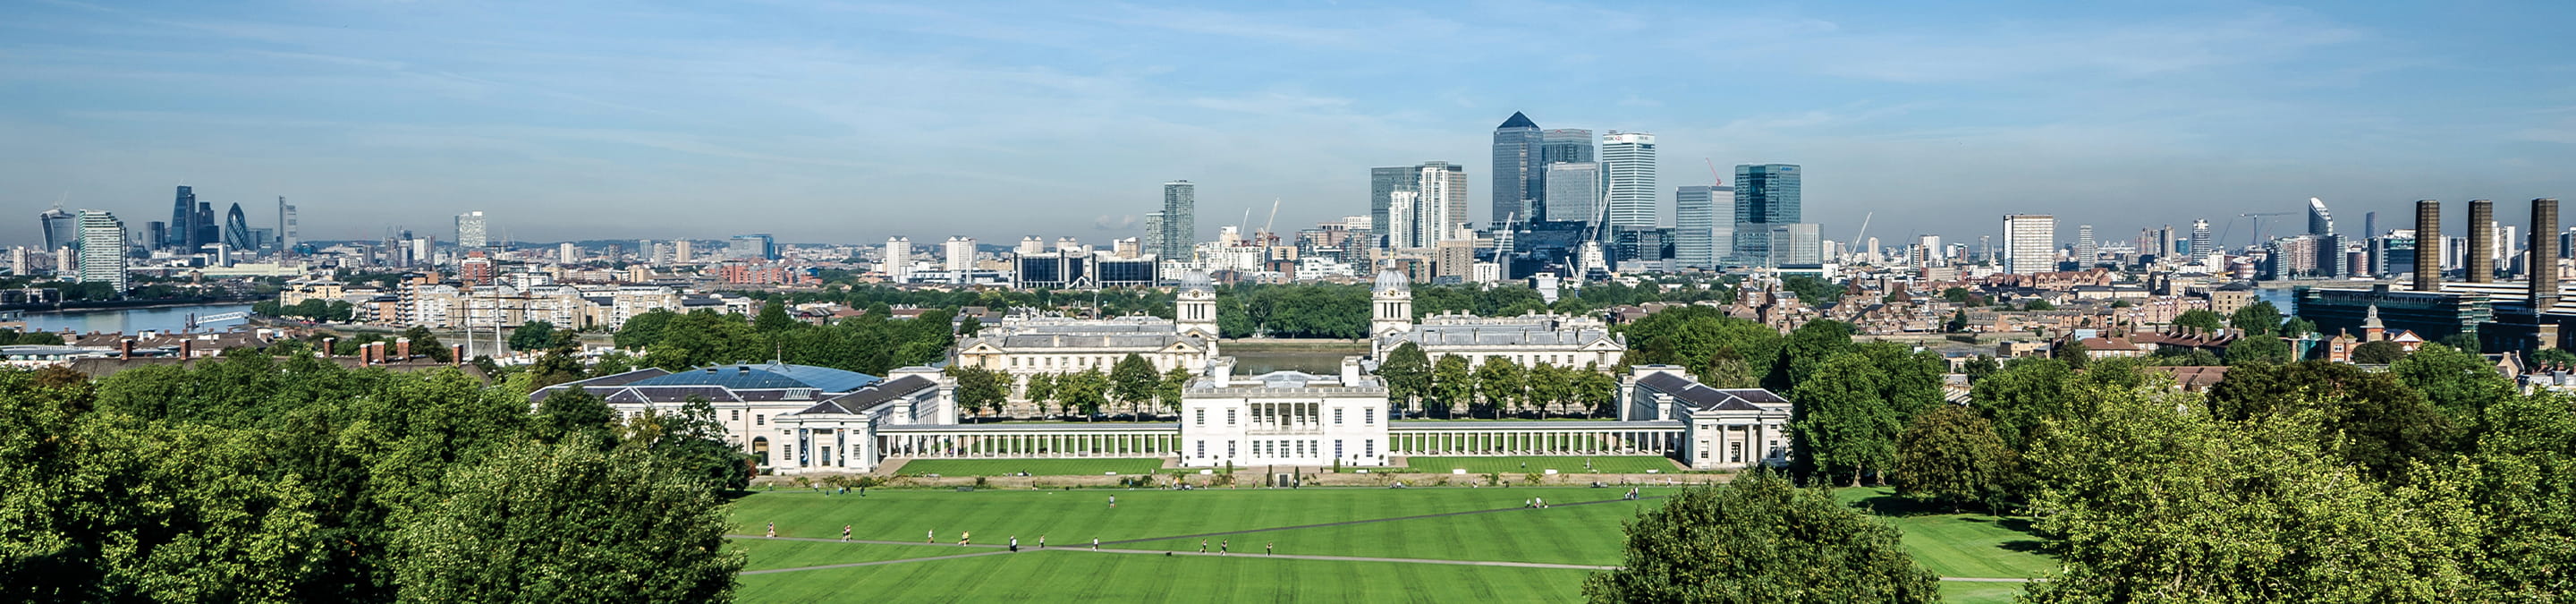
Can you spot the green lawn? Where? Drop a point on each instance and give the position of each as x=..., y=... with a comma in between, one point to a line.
x=1035, y=467
x=1081, y=576
x=767, y=554
x=1955, y=545
x=1958, y=545
x=1513, y=467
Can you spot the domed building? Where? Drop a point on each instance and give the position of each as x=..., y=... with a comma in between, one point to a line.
x=1561, y=340
x=789, y=418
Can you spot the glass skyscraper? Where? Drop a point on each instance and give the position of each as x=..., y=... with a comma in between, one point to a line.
x=237, y=230
x=183, y=222
x=1180, y=223
x=1765, y=195
x=1702, y=226
x=1628, y=161
x=1519, y=170
x=1573, y=192
x=102, y=249
x=60, y=228
x=1415, y=206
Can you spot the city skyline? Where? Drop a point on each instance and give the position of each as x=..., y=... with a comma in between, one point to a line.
x=373, y=118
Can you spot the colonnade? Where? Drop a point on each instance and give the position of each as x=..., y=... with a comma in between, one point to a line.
x=990, y=444
x=1523, y=441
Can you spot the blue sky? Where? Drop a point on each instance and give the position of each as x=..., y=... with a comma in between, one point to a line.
x=851, y=121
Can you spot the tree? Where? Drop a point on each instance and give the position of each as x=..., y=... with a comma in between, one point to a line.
x=1501, y=381
x=1041, y=390
x=1548, y=385
x=1805, y=348
x=2298, y=327
x=2257, y=319
x=572, y=412
x=2200, y=319
x=1597, y=391
x=2553, y=356
x=1084, y=391
x=2038, y=304
x=2075, y=354
x=532, y=335
x=1850, y=413
x=1958, y=321
x=2254, y=349
x=1452, y=384
x=773, y=318
x=969, y=326
x=979, y=389
x=1133, y=381
x=1951, y=456
x=426, y=344
x=2380, y=352
x=1957, y=295
x=1175, y=382
x=1759, y=539
x=1978, y=368
x=569, y=521
x=2024, y=399
x=644, y=330
x=2367, y=419
x=2460, y=384
x=2467, y=343
x=1407, y=372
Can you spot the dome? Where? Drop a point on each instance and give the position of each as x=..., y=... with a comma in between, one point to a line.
x=1196, y=280
x=1391, y=281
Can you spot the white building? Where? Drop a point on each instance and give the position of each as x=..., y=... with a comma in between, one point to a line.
x=1722, y=429
x=959, y=254
x=469, y=230
x=2030, y=243
x=102, y=254
x=1284, y=418
x=1026, y=345
x=1560, y=340
x=898, y=259
x=1628, y=164
x=791, y=419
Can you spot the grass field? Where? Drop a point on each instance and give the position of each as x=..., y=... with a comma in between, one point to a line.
x=1513, y=467
x=1035, y=467
x=1427, y=530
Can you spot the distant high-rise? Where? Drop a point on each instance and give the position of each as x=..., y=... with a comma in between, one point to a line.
x=1765, y=194
x=469, y=230
x=2030, y=243
x=237, y=230
x=683, y=251
x=1628, y=164
x=959, y=254
x=567, y=254
x=183, y=222
x=1795, y=244
x=1701, y=223
x=1927, y=251
x=1565, y=145
x=898, y=259
x=2201, y=246
x=287, y=235
x=61, y=229
x=2085, y=250
x=1573, y=192
x=1180, y=226
x=754, y=246
x=1417, y=206
x=208, y=232
x=1519, y=170
x=102, y=249
x=1152, y=241
x=2320, y=222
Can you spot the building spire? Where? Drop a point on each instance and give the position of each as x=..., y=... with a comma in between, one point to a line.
x=1517, y=121
x=2371, y=321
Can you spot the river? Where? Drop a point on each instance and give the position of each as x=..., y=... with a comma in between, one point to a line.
x=131, y=320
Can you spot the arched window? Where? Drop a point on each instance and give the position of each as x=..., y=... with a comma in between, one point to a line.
x=760, y=448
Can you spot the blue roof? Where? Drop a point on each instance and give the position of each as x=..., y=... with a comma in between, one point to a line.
x=766, y=376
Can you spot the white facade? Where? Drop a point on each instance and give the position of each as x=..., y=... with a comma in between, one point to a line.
x=1722, y=429
x=1628, y=163
x=1284, y=418
x=469, y=230
x=898, y=259
x=102, y=254
x=2030, y=243
x=960, y=254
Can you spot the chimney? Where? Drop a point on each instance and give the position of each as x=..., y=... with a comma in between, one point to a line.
x=402, y=349
x=2481, y=261
x=327, y=345
x=2543, y=262
x=2428, y=246
x=125, y=349
x=187, y=349
x=456, y=354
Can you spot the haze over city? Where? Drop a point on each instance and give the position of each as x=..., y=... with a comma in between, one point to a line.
x=847, y=122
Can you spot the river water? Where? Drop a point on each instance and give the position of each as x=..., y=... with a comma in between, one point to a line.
x=130, y=320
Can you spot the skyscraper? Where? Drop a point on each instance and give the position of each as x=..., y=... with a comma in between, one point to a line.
x=1180, y=226
x=2320, y=223
x=237, y=230
x=1628, y=161
x=1383, y=182
x=1765, y=194
x=286, y=232
x=183, y=222
x=2030, y=243
x=60, y=228
x=102, y=249
x=208, y=232
x=1795, y=244
x=565, y=253
x=1152, y=242
x=1419, y=205
x=754, y=246
x=1564, y=145
x=469, y=230
x=2201, y=246
x=960, y=254
x=1700, y=222
x=2085, y=250
x=898, y=259
x=1519, y=170
x=1573, y=192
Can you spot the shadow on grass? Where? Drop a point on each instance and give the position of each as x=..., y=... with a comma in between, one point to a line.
x=1898, y=505
x=2030, y=546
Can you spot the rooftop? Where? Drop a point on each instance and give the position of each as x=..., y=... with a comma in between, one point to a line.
x=769, y=376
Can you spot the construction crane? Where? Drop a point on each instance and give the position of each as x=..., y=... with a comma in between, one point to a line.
x=2257, y=223
x=1274, y=216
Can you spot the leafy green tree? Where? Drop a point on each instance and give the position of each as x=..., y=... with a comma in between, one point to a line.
x=1597, y=391
x=1978, y=368
x=1805, y=348
x=2370, y=420
x=2256, y=349
x=569, y=521
x=773, y=318
x=1084, y=391
x=1408, y=374
x=1175, y=381
x=2557, y=356
x=1452, y=384
x=980, y=389
x=692, y=442
x=1548, y=386
x=2298, y=327
x=1812, y=290
x=1502, y=382
x=1957, y=295
x=2462, y=385
x=1850, y=413
x=2200, y=319
x=532, y=335
x=1042, y=390
x=644, y=330
x=2023, y=399
x=1133, y=381
x=1233, y=319
x=2075, y=354
x=1958, y=322
x=1951, y=456
x=1759, y=539
x=2038, y=304
x=2521, y=486
x=426, y=344
x=2379, y=352
x=2464, y=342
x=2259, y=318
x=969, y=326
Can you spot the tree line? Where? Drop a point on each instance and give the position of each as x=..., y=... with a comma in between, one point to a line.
x=873, y=343
x=1494, y=387
x=258, y=478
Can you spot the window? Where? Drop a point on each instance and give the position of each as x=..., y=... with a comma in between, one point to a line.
x=1202, y=448
x=1202, y=417
x=1229, y=448
x=1337, y=416
x=759, y=420
x=737, y=415
x=1703, y=449
x=1368, y=416
x=1368, y=447
x=1337, y=447
x=1229, y=417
